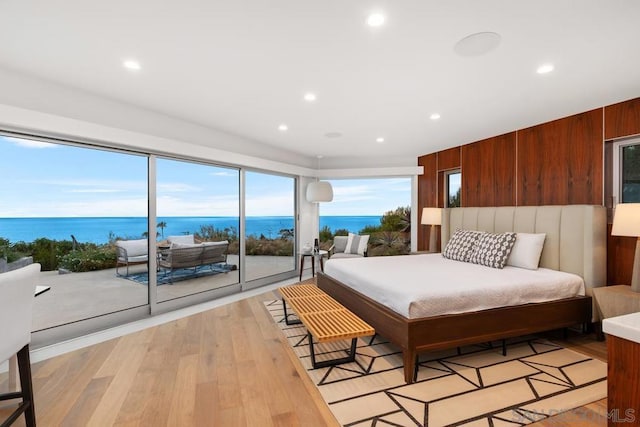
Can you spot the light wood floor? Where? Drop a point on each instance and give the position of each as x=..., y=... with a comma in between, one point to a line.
x=229, y=366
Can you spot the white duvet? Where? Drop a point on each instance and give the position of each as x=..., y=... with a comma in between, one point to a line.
x=430, y=285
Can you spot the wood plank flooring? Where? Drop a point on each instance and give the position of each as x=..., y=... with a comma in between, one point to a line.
x=229, y=366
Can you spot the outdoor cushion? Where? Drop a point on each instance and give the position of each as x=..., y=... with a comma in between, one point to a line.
x=135, y=249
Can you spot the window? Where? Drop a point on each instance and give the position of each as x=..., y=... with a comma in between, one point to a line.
x=453, y=187
x=378, y=207
x=626, y=162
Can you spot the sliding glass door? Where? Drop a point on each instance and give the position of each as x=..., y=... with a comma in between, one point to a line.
x=198, y=220
x=68, y=208
x=83, y=213
x=270, y=225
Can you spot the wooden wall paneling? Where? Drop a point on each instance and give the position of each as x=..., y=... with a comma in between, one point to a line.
x=449, y=159
x=489, y=172
x=622, y=119
x=585, y=153
x=505, y=170
x=442, y=194
x=560, y=162
x=537, y=160
x=427, y=194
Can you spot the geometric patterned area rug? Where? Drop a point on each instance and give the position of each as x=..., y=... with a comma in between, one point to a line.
x=474, y=385
x=178, y=274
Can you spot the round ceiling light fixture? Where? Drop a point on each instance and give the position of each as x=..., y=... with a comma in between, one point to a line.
x=477, y=44
x=376, y=19
x=309, y=96
x=283, y=127
x=380, y=140
x=434, y=116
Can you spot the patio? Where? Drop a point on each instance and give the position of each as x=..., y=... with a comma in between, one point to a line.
x=78, y=296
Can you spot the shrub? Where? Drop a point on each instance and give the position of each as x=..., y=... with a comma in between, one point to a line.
x=209, y=233
x=263, y=246
x=387, y=243
x=89, y=259
x=325, y=234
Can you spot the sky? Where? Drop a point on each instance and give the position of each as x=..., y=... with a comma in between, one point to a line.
x=40, y=179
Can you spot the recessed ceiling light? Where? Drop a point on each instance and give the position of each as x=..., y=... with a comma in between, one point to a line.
x=319, y=156
x=283, y=128
x=131, y=64
x=380, y=140
x=545, y=68
x=309, y=96
x=434, y=116
x=376, y=20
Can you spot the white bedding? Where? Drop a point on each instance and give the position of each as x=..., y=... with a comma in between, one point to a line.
x=430, y=285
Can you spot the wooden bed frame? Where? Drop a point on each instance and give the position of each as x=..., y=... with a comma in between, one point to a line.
x=430, y=333
x=561, y=251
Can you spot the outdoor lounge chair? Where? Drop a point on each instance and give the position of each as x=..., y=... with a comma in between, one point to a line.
x=131, y=252
x=357, y=249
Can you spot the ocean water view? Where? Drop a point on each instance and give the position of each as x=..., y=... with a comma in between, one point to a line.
x=97, y=229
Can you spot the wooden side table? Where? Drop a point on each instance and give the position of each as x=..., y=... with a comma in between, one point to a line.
x=623, y=369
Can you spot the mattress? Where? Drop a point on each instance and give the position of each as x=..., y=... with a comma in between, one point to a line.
x=430, y=285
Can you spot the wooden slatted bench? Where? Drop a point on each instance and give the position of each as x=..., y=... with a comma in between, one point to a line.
x=326, y=320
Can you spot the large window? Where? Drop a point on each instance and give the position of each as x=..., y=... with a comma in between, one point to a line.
x=379, y=207
x=120, y=235
x=626, y=160
x=67, y=206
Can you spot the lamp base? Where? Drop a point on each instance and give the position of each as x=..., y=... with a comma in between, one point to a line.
x=635, y=275
x=433, y=239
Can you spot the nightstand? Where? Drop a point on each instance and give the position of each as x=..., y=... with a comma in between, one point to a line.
x=613, y=301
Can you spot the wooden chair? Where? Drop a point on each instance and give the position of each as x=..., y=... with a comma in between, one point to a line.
x=17, y=289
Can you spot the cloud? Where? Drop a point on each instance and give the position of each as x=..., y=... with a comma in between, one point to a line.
x=232, y=174
x=95, y=190
x=29, y=143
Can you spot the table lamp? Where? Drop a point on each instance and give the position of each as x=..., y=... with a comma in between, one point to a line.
x=626, y=222
x=432, y=217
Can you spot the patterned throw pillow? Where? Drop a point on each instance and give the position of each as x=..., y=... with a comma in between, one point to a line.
x=492, y=250
x=461, y=244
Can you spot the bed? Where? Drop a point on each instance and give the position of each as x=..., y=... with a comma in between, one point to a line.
x=575, y=243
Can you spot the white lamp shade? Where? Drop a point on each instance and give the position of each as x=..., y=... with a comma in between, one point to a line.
x=320, y=191
x=431, y=216
x=626, y=221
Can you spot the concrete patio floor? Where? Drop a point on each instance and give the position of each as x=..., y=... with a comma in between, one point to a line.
x=78, y=296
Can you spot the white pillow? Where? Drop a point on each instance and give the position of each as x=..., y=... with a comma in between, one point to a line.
x=526, y=250
x=186, y=238
x=356, y=244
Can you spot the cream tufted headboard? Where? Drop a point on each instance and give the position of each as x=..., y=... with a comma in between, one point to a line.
x=575, y=241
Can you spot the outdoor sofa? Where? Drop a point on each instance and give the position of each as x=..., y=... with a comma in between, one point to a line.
x=192, y=255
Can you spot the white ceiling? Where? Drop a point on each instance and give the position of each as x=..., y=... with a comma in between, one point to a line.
x=243, y=66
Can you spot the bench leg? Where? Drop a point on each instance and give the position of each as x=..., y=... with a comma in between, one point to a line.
x=286, y=315
x=324, y=363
